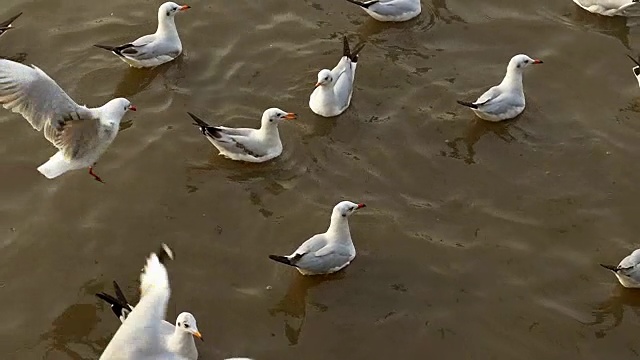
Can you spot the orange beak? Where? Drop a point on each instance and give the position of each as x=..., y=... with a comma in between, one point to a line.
x=318, y=84
x=198, y=335
x=291, y=116
x=132, y=108
x=184, y=7
x=537, y=61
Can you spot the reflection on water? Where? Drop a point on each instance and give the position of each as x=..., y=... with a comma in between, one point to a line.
x=609, y=314
x=476, y=131
x=294, y=303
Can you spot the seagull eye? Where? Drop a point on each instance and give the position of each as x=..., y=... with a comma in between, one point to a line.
x=186, y=326
x=179, y=324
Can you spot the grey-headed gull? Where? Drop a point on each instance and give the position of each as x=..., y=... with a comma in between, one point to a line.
x=155, y=49
x=142, y=336
x=7, y=24
x=506, y=100
x=390, y=10
x=636, y=69
x=610, y=7
x=332, y=95
x=628, y=271
x=328, y=252
x=81, y=134
x=179, y=337
x=251, y=145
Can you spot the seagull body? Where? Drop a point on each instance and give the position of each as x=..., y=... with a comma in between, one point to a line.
x=155, y=49
x=628, y=271
x=506, y=100
x=390, y=10
x=6, y=25
x=328, y=252
x=81, y=134
x=179, y=337
x=609, y=7
x=250, y=145
x=143, y=335
x=332, y=95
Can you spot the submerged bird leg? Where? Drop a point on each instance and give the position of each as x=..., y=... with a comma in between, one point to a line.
x=96, y=177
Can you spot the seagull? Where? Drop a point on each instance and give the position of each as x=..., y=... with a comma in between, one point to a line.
x=390, y=10
x=328, y=252
x=607, y=7
x=506, y=100
x=179, y=337
x=156, y=49
x=6, y=25
x=143, y=335
x=81, y=134
x=334, y=88
x=628, y=271
x=636, y=69
x=251, y=145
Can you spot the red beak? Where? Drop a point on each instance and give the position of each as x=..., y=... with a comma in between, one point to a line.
x=132, y=108
x=537, y=61
x=184, y=7
x=360, y=206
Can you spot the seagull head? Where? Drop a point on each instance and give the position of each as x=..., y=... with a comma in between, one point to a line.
x=116, y=108
x=187, y=322
x=273, y=116
x=346, y=208
x=170, y=9
x=324, y=78
x=521, y=61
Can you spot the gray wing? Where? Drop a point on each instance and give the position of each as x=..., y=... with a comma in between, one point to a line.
x=75, y=137
x=395, y=7
x=343, y=87
x=328, y=258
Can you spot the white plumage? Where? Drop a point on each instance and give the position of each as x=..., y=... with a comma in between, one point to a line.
x=390, y=10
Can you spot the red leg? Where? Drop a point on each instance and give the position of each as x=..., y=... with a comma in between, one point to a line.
x=94, y=175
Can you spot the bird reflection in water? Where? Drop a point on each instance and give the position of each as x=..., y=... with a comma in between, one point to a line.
x=609, y=314
x=294, y=303
x=474, y=133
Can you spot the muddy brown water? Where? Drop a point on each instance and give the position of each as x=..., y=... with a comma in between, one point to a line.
x=479, y=241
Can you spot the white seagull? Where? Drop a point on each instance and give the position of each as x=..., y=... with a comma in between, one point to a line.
x=390, y=10
x=6, y=25
x=178, y=337
x=156, y=49
x=636, y=69
x=334, y=88
x=143, y=335
x=328, y=252
x=251, y=145
x=609, y=7
x=628, y=271
x=506, y=100
x=81, y=134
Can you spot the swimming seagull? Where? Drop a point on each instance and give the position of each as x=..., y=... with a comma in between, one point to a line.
x=81, y=134
x=156, y=49
x=390, y=10
x=6, y=25
x=334, y=88
x=608, y=7
x=251, y=145
x=506, y=100
x=179, y=337
x=636, y=69
x=628, y=271
x=328, y=252
x=142, y=336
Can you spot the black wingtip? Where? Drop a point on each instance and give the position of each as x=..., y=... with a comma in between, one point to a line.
x=345, y=47
x=119, y=293
x=281, y=259
x=365, y=4
x=10, y=20
x=633, y=59
x=198, y=121
x=467, y=104
x=105, y=47
x=165, y=253
x=610, y=267
x=346, y=50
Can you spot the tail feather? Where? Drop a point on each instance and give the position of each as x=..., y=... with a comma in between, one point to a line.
x=7, y=23
x=282, y=259
x=610, y=267
x=364, y=4
x=55, y=166
x=346, y=51
x=206, y=129
x=114, y=49
x=467, y=104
